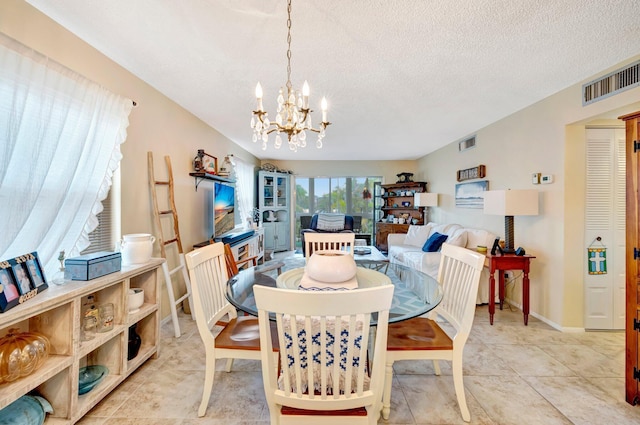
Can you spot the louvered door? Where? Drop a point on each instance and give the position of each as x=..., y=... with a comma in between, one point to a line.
x=605, y=220
x=632, y=390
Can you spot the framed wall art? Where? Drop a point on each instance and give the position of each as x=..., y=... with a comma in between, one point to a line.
x=470, y=195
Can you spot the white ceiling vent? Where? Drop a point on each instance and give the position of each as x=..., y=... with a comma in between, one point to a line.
x=467, y=144
x=615, y=82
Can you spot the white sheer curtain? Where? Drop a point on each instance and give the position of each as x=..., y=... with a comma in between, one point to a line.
x=245, y=184
x=60, y=137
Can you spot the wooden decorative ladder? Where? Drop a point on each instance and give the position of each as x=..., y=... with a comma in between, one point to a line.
x=174, y=238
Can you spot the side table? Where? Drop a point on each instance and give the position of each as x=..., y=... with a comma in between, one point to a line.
x=508, y=262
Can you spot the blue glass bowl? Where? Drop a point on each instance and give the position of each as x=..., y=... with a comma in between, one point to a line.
x=91, y=376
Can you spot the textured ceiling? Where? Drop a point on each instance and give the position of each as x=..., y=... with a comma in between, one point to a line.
x=402, y=77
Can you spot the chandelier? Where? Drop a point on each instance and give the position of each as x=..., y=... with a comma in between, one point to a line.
x=294, y=115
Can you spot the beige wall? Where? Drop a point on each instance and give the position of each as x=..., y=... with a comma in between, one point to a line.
x=547, y=137
x=157, y=124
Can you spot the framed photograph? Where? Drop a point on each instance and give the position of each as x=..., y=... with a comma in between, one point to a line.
x=470, y=195
x=9, y=295
x=35, y=272
x=22, y=278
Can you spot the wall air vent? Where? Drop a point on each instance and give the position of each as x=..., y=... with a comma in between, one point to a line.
x=615, y=82
x=467, y=144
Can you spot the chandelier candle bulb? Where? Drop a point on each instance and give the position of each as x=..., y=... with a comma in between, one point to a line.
x=305, y=95
x=323, y=105
x=259, y=96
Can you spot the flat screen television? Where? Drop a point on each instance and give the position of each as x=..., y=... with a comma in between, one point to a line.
x=223, y=217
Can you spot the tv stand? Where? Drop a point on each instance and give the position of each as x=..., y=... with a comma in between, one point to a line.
x=247, y=247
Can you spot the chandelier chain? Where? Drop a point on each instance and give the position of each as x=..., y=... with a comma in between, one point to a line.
x=289, y=86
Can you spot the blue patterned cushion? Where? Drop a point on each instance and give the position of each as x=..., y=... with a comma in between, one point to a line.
x=330, y=222
x=434, y=242
x=311, y=354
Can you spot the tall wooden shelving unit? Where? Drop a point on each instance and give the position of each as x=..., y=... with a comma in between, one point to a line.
x=393, y=196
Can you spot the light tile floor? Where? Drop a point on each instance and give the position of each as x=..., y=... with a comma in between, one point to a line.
x=514, y=374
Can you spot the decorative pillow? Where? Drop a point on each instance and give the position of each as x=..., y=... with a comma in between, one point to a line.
x=458, y=238
x=330, y=222
x=434, y=242
x=417, y=235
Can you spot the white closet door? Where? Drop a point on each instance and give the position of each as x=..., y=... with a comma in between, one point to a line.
x=605, y=218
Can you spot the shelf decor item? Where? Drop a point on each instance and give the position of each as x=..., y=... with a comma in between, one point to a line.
x=21, y=353
x=21, y=278
x=136, y=299
x=27, y=410
x=90, y=376
x=134, y=342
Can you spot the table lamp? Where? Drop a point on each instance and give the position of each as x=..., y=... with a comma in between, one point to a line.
x=425, y=199
x=510, y=203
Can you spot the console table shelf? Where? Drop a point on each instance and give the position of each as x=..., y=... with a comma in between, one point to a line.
x=57, y=312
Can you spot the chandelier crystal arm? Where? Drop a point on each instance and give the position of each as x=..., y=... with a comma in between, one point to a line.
x=293, y=115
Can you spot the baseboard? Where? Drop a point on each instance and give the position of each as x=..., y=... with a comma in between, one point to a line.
x=554, y=325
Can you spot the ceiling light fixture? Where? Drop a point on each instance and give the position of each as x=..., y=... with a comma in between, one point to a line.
x=294, y=115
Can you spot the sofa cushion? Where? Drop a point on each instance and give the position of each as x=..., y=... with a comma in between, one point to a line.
x=434, y=242
x=444, y=229
x=458, y=238
x=417, y=235
x=477, y=237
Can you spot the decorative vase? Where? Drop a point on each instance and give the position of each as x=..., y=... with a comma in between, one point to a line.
x=136, y=248
x=331, y=266
x=134, y=342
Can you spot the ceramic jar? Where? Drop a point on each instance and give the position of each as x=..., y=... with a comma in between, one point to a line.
x=134, y=342
x=331, y=266
x=136, y=248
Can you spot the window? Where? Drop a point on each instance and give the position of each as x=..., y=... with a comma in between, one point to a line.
x=345, y=195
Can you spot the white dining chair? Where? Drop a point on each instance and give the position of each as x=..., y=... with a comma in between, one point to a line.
x=323, y=375
x=328, y=241
x=422, y=338
x=239, y=337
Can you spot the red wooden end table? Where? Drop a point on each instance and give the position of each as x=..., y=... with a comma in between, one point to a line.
x=501, y=262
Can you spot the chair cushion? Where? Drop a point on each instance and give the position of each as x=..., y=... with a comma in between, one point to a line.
x=418, y=333
x=434, y=242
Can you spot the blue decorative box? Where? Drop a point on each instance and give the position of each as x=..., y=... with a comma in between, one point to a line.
x=91, y=266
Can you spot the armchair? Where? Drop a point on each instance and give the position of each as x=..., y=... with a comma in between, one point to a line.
x=313, y=227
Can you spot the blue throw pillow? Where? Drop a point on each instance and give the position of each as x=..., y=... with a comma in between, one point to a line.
x=434, y=242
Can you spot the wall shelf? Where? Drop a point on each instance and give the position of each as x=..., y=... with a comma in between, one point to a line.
x=200, y=176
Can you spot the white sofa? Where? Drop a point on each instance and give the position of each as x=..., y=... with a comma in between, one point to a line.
x=406, y=249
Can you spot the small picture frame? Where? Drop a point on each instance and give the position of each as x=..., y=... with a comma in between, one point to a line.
x=21, y=278
x=9, y=295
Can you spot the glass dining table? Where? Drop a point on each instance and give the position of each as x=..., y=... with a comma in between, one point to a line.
x=415, y=293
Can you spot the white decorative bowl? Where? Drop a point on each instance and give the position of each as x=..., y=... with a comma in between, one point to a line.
x=136, y=299
x=331, y=266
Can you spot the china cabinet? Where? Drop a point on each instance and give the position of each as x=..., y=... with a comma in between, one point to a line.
x=57, y=314
x=274, y=200
x=397, y=210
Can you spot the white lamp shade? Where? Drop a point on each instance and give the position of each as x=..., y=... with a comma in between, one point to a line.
x=511, y=202
x=425, y=199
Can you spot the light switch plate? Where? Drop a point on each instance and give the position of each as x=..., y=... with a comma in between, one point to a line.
x=535, y=178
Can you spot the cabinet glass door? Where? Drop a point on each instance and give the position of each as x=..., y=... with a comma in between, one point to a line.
x=281, y=192
x=268, y=194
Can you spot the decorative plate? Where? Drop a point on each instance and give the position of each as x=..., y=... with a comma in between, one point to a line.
x=91, y=376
